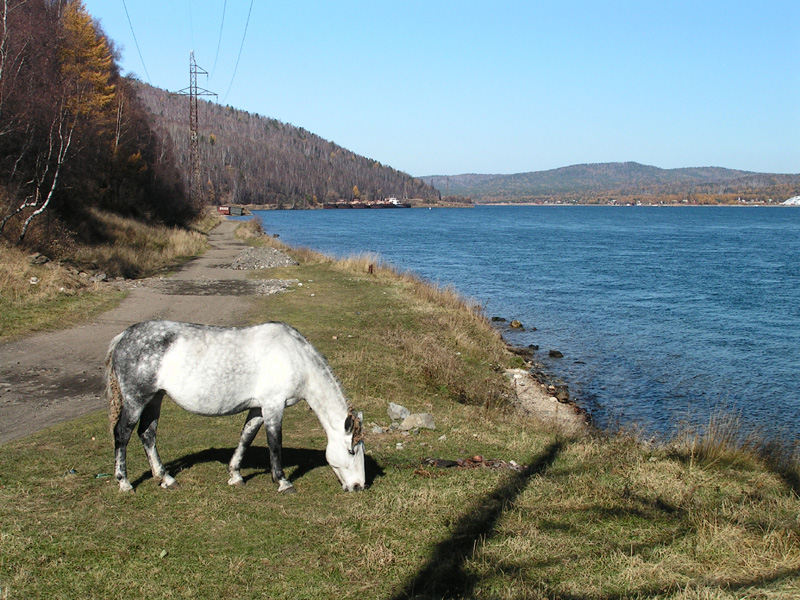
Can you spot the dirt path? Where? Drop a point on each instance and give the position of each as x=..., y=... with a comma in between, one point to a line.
x=53, y=377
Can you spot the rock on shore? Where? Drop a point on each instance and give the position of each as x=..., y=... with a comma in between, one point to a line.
x=535, y=399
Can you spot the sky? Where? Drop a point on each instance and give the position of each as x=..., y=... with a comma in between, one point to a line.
x=438, y=87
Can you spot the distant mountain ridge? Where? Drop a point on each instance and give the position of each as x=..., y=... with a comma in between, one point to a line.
x=626, y=181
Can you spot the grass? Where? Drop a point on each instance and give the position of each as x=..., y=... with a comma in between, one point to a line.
x=136, y=249
x=593, y=517
x=41, y=297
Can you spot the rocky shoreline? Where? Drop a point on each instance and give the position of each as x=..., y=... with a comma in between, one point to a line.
x=539, y=393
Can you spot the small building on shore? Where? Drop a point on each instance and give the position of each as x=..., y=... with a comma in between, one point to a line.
x=233, y=211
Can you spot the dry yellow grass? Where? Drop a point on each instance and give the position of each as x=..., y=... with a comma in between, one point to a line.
x=34, y=297
x=250, y=230
x=22, y=281
x=723, y=440
x=136, y=249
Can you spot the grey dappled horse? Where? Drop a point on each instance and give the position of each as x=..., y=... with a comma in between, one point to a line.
x=215, y=371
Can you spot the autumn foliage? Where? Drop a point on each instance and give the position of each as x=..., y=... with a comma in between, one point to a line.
x=73, y=135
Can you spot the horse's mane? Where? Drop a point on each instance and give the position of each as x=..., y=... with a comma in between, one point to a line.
x=358, y=428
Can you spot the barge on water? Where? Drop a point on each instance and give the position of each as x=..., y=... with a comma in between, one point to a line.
x=387, y=203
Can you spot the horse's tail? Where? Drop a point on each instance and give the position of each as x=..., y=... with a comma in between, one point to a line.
x=113, y=392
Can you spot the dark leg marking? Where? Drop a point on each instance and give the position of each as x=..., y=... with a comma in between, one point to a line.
x=122, y=435
x=274, y=429
x=148, y=423
x=251, y=426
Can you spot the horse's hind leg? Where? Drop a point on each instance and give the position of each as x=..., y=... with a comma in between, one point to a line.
x=147, y=433
x=122, y=435
x=251, y=426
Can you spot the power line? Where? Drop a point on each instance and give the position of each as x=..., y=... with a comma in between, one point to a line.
x=136, y=42
x=191, y=23
x=244, y=35
x=219, y=41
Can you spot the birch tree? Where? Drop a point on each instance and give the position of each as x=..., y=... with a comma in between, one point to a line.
x=83, y=96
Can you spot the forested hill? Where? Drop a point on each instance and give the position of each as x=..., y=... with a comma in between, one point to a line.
x=251, y=159
x=622, y=182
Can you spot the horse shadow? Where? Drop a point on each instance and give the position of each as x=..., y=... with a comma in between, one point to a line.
x=298, y=461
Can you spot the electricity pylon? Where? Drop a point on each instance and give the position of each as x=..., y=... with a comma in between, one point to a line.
x=194, y=146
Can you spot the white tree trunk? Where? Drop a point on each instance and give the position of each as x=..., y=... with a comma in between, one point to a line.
x=64, y=142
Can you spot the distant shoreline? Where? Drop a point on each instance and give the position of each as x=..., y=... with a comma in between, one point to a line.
x=671, y=205
x=266, y=207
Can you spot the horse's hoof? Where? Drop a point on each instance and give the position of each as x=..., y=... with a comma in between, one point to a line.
x=170, y=485
x=236, y=481
x=126, y=488
x=286, y=488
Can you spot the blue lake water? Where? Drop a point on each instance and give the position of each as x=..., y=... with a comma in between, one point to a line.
x=663, y=314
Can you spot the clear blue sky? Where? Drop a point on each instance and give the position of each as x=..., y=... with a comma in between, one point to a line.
x=498, y=86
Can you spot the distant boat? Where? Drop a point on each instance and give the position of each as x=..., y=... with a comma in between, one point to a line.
x=387, y=203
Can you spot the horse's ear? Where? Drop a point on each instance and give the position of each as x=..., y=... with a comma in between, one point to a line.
x=348, y=424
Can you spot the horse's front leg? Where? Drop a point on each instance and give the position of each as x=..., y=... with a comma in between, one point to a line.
x=274, y=429
x=147, y=433
x=251, y=426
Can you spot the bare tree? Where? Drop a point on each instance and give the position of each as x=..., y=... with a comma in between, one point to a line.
x=83, y=95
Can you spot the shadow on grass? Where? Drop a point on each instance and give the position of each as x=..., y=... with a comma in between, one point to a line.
x=792, y=480
x=443, y=576
x=258, y=457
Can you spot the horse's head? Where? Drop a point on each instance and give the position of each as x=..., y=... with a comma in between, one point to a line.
x=345, y=455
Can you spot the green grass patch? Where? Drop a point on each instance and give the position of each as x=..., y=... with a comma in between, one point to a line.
x=44, y=314
x=594, y=517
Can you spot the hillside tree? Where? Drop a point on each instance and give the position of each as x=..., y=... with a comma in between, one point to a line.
x=83, y=93
x=68, y=103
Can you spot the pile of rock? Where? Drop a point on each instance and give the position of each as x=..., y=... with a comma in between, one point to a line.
x=403, y=419
x=547, y=402
x=262, y=258
x=538, y=392
x=75, y=279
